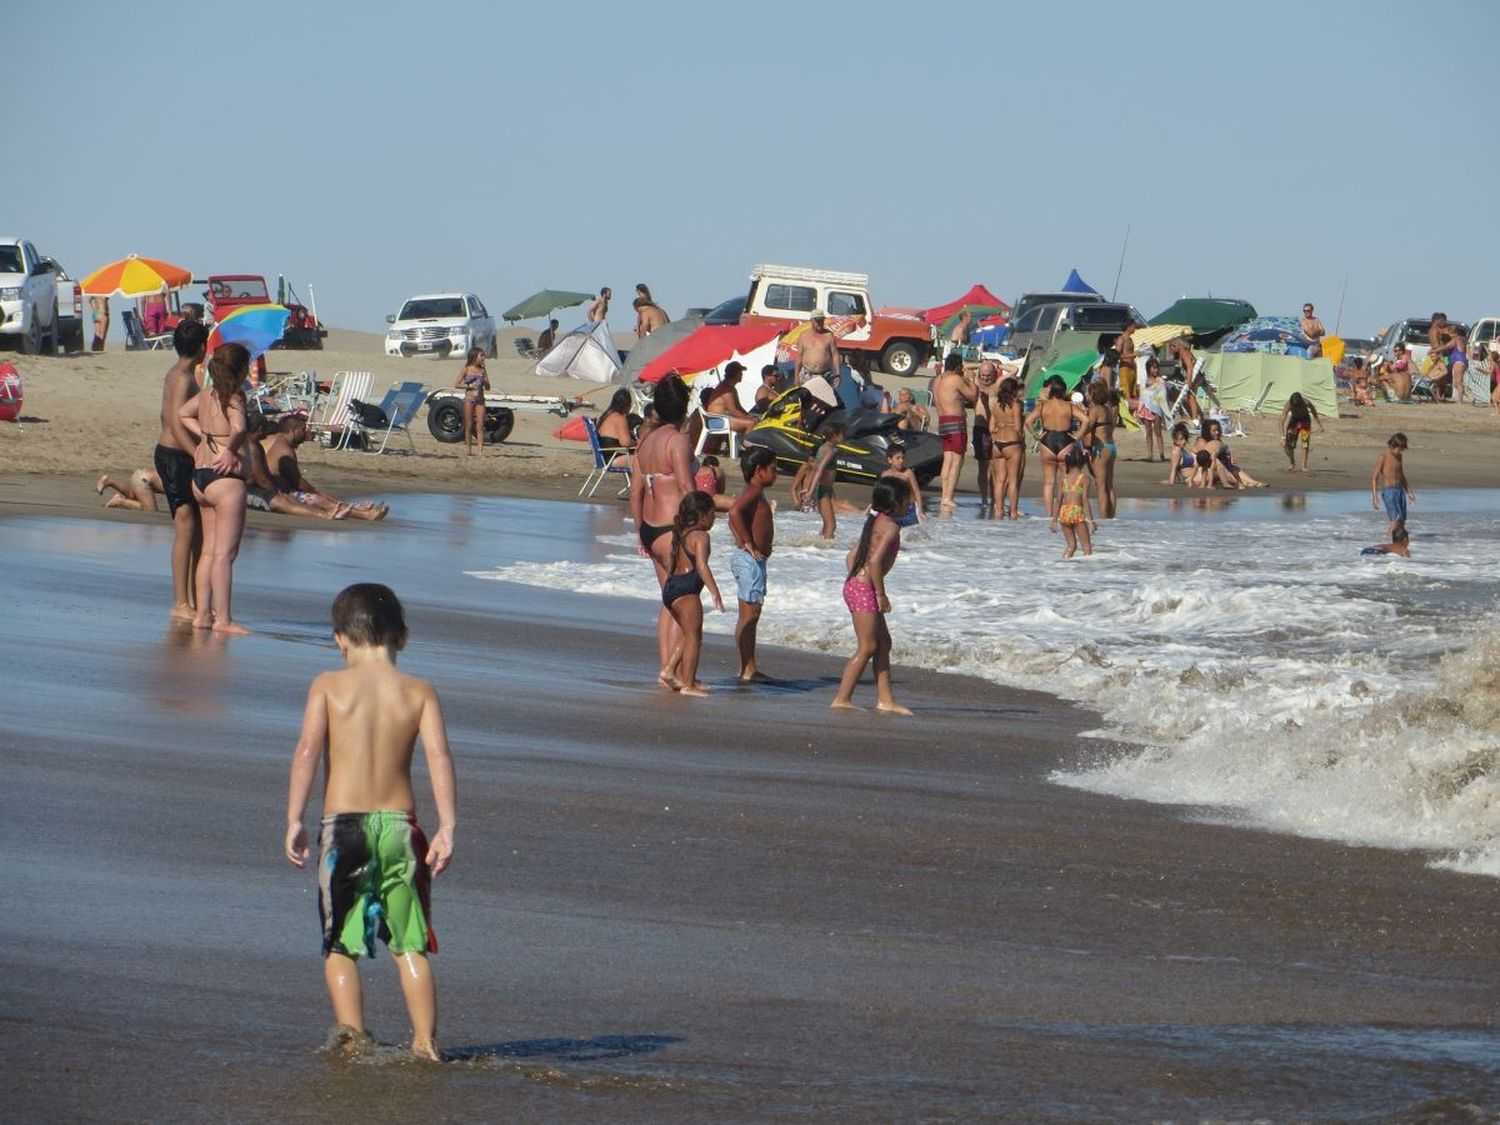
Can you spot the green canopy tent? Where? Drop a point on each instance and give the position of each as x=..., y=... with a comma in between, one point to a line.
x=1240, y=377
x=1072, y=369
x=542, y=304
x=1208, y=317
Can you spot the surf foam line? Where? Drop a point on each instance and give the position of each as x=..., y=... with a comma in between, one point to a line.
x=1262, y=672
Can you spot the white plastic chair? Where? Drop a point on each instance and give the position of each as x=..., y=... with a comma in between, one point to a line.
x=332, y=426
x=718, y=425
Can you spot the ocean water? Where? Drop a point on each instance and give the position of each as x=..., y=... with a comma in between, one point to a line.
x=1243, y=658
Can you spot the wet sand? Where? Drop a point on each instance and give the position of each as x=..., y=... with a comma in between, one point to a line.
x=744, y=907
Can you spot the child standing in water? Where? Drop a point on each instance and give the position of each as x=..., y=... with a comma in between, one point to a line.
x=895, y=469
x=363, y=723
x=1075, y=511
x=475, y=380
x=687, y=574
x=1388, y=484
x=1297, y=418
x=818, y=483
x=869, y=561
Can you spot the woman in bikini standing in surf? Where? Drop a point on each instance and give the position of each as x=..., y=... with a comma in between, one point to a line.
x=663, y=475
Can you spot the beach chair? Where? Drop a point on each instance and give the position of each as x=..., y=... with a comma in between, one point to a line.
x=329, y=422
x=606, y=461
x=399, y=408
x=136, y=339
x=291, y=394
x=1232, y=422
x=526, y=348
x=718, y=426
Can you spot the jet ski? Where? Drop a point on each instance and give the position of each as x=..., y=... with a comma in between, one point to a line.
x=793, y=422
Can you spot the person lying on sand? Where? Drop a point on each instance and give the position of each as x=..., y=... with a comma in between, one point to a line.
x=139, y=495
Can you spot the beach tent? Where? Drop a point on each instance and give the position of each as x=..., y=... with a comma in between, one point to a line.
x=1239, y=378
x=647, y=349
x=586, y=353
x=979, y=301
x=1076, y=284
x=1209, y=318
x=712, y=346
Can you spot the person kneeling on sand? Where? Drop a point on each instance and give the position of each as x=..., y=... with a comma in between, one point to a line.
x=280, y=448
x=139, y=496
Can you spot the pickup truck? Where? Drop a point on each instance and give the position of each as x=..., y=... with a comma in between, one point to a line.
x=28, y=296
x=893, y=342
x=70, y=319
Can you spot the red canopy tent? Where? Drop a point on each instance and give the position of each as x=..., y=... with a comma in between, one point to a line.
x=976, y=298
x=708, y=347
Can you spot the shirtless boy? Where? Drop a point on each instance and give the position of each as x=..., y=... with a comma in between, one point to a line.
x=1388, y=484
x=953, y=392
x=754, y=530
x=173, y=461
x=363, y=722
x=817, y=350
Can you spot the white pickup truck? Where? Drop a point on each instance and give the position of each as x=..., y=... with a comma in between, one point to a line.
x=70, y=318
x=28, y=296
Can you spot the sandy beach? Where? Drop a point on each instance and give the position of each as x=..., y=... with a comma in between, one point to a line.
x=747, y=907
x=92, y=413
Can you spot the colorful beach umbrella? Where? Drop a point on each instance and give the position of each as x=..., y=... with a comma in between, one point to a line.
x=135, y=277
x=257, y=327
x=1275, y=335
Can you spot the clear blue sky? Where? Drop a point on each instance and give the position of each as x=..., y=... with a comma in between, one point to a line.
x=377, y=149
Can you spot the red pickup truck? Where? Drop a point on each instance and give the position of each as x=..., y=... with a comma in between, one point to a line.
x=229, y=291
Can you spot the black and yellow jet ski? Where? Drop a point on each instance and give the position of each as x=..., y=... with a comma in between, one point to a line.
x=793, y=420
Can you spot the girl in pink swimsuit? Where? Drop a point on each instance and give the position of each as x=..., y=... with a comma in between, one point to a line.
x=869, y=561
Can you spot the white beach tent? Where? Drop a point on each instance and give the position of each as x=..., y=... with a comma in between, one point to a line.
x=587, y=352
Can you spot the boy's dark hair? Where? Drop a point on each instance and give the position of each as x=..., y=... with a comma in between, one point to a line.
x=1397, y=441
x=189, y=338
x=1204, y=458
x=709, y=461
x=954, y=362
x=369, y=614
x=756, y=459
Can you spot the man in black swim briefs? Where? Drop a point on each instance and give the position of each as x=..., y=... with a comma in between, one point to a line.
x=173, y=461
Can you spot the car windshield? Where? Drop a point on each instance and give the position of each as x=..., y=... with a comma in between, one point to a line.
x=424, y=308
x=239, y=289
x=726, y=312
x=10, y=259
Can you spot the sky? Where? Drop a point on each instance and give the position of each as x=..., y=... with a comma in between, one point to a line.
x=1278, y=152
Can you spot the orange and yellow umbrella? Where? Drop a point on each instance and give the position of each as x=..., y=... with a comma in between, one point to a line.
x=135, y=277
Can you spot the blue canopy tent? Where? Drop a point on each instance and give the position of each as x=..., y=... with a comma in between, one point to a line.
x=1076, y=284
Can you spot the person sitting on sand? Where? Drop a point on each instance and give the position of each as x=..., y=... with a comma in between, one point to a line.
x=1396, y=374
x=548, y=339
x=261, y=493
x=139, y=496
x=280, y=448
x=1226, y=472
x=1182, y=461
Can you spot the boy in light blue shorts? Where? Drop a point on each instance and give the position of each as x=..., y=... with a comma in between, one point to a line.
x=753, y=526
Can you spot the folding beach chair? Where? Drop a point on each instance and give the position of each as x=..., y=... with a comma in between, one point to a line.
x=1232, y=422
x=526, y=348
x=330, y=420
x=398, y=408
x=136, y=339
x=606, y=461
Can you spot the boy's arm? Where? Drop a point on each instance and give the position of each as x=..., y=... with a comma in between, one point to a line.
x=1375, y=483
x=434, y=734
x=310, y=745
x=739, y=526
x=916, y=494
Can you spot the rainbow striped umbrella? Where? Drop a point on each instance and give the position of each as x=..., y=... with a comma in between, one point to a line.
x=135, y=277
x=257, y=327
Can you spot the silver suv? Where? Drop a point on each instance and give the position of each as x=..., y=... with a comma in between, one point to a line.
x=1038, y=328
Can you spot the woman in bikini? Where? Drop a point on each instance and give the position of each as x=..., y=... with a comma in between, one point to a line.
x=614, y=426
x=1223, y=469
x=681, y=593
x=1098, y=440
x=663, y=475
x=869, y=561
x=1009, y=463
x=1056, y=415
x=474, y=380
x=221, y=466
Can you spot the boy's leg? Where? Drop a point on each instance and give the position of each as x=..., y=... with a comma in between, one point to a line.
x=744, y=638
x=342, y=977
x=419, y=988
x=825, y=509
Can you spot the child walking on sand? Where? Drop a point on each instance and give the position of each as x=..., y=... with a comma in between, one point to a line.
x=475, y=380
x=868, y=562
x=1388, y=484
x=363, y=722
x=1074, y=510
x=687, y=574
x=1297, y=418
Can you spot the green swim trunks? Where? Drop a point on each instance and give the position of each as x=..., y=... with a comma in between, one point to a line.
x=373, y=882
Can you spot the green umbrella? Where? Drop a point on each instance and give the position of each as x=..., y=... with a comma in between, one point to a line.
x=542, y=304
x=1071, y=368
x=1209, y=317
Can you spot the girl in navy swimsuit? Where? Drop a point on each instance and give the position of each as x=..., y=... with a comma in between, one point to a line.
x=687, y=574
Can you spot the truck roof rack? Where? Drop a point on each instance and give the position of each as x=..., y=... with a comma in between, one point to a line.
x=805, y=273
